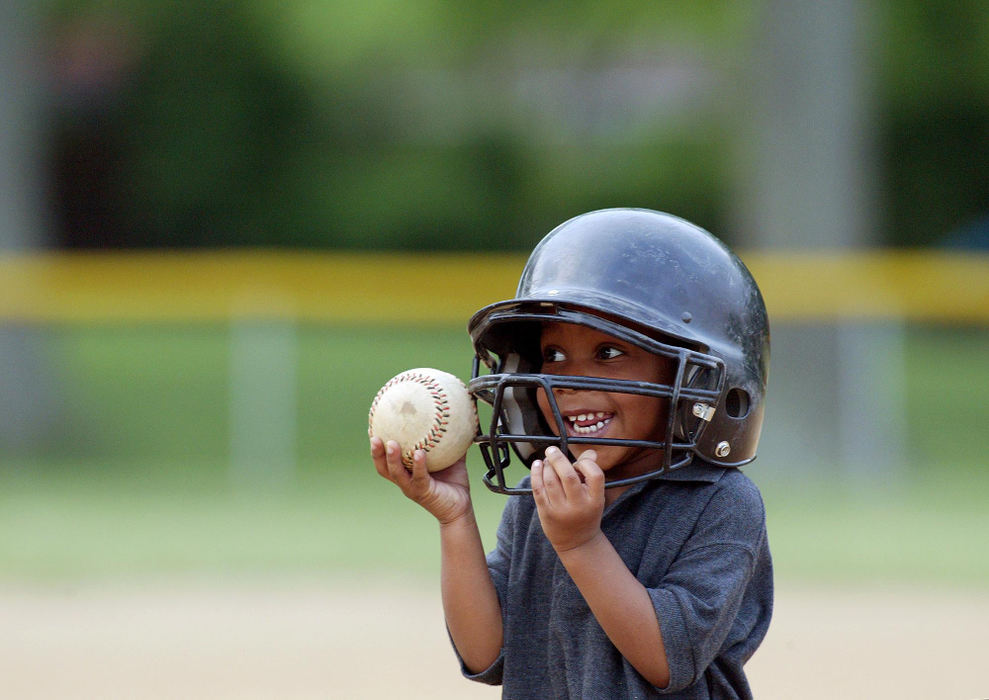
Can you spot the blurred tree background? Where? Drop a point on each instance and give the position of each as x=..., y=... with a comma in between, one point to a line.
x=428, y=125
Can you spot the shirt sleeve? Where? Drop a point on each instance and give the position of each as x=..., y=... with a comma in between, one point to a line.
x=491, y=675
x=698, y=600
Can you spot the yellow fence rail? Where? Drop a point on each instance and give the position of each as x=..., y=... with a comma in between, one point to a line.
x=87, y=287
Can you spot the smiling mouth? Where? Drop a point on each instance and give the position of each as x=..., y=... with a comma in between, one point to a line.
x=588, y=423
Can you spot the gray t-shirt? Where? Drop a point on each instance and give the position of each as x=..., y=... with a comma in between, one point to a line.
x=695, y=537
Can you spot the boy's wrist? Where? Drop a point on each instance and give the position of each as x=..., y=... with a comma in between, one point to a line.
x=466, y=518
x=580, y=547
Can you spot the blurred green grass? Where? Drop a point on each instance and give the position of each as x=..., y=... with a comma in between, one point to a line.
x=73, y=526
x=137, y=481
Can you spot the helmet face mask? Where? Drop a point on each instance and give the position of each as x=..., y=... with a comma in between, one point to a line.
x=518, y=426
x=649, y=279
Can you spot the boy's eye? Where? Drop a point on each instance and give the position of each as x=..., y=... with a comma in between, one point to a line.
x=553, y=355
x=609, y=352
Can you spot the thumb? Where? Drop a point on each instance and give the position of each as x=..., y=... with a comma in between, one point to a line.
x=590, y=455
x=587, y=463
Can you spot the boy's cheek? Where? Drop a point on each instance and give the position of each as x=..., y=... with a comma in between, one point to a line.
x=543, y=403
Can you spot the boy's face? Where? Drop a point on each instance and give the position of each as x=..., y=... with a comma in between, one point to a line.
x=573, y=350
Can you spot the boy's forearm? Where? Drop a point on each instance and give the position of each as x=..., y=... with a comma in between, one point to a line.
x=621, y=605
x=470, y=602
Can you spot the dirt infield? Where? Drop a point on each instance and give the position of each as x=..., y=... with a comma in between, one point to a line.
x=318, y=639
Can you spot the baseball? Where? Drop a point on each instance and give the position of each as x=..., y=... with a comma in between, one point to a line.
x=425, y=409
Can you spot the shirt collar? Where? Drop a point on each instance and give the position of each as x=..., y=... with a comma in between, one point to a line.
x=695, y=471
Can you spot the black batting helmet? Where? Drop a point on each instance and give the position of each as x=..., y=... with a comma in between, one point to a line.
x=651, y=279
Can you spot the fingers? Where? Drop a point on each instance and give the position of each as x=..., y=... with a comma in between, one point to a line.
x=557, y=480
x=564, y=475
x=539, y=472
x=388, y=462
x=384, y=456
x=379, y=457
x=569, y=497
x=419, y=481
x=592, y=474
x=546, y=485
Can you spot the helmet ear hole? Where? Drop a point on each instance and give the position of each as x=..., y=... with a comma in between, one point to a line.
x=737, y=403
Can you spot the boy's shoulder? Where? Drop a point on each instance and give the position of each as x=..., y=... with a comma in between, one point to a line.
x=727, y=478
x=726, y=491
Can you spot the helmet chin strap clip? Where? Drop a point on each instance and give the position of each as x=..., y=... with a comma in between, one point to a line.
x=703, y=411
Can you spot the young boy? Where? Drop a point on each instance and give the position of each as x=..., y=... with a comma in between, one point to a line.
x=629, y=375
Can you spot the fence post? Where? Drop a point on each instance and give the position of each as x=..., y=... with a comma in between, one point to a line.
x=263, y=402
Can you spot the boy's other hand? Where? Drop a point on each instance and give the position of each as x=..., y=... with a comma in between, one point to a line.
x=569, y=497
x=445, y=494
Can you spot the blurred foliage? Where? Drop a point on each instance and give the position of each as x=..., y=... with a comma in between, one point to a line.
x=411, y=125
x=934, y=118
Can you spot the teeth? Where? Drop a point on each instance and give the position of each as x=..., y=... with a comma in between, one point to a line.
x=586, y=416
x=587, y=429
